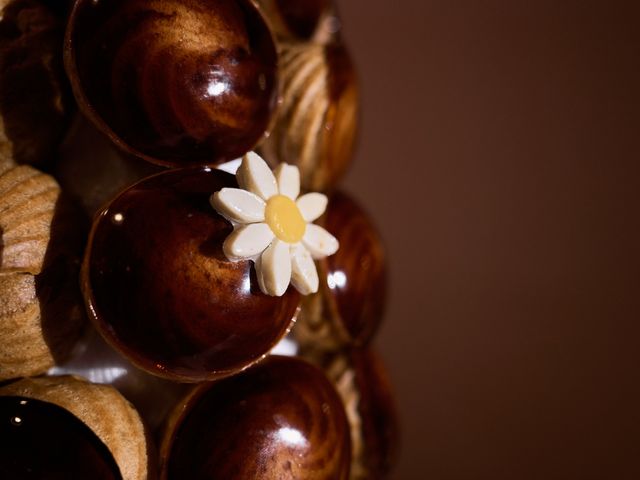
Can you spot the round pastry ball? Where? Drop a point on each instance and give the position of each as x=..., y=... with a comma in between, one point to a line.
x=363, y=383
x=41, y=238
x=35, y=101
x=161, y=291
x=280, y=419
x=317, y=122
x=174, y=82
x=349, y=307
x=76, y=420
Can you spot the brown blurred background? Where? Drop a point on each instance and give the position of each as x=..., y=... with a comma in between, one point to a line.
x=500, y=157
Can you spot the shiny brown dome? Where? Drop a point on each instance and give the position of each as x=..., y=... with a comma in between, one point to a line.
x=281, y=419
x=174, y=82
x=161, y=291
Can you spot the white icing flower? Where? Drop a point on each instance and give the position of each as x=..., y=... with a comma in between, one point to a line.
x=272, y=226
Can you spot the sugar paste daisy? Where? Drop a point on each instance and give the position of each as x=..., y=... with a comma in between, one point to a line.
x=273, y=226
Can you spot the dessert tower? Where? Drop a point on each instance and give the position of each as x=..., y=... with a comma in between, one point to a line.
x=185, y=289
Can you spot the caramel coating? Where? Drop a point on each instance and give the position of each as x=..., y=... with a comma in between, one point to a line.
x=281, y=419
x=360, y=298
x=40, y=308
x=103, y=410
x=161, y=291
x=34, y=97
x=316, y=124
x=349, y=307
x=174, y=82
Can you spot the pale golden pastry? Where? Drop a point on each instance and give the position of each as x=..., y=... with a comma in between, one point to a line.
x=317, y=120
x=40, y=307
x=28, y=200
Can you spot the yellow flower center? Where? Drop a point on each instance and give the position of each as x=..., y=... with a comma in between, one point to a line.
x=284, y=217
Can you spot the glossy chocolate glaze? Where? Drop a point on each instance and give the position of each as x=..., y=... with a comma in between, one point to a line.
x=41, y=440
x=174, y=82
x=281, y=419
x=34, y=96
x=349, y=307
x=161, y=291
x=361, y=379
x=378, y=415
x=356, y=276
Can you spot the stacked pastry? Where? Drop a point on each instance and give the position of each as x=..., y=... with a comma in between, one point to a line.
x=232, y=288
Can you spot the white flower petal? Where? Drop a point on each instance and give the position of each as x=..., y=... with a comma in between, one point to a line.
x=238, y=205
x=274, y=269
x=231, y=166
x=258, y=264
x=319, y=242
x=304, y=275
x=255, y=175
x=312, y=205
x=288, y=178
x=247, y=241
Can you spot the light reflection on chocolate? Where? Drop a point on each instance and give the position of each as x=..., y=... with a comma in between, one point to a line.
x=174, y=82
x=349, y=307
x=279, y=419
x=161, y=291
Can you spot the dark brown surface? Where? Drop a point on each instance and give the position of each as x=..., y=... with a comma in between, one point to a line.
x=62, y=312
x=176, y=83
x=41, y=440
x=363, y=383
x=161, y=290
x=302, y=16
x=351, y=301
x=500, y=158
x=298, y=20
x=342, y=119
x=34, y=96
x=378, y=417
x=279, y=420
x=355, y=277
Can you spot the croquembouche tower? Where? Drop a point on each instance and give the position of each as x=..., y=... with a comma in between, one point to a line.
x=186, y=292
